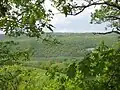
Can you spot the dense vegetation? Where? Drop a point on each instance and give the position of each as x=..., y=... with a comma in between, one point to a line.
x=99, y=70
x=25, y=64
x=85, y=65
x=71, y=45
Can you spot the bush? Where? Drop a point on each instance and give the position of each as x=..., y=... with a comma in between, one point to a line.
x=99, y=70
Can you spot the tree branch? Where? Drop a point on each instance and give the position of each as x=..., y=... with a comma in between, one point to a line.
x=118, y=28
x=116, y=1
x=117, y=32
x=113, y=17
x=113, y=4
x=82, y=8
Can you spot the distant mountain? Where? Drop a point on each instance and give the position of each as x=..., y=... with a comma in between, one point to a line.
x=2, y=36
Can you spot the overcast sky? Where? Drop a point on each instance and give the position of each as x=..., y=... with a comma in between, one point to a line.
x=79, y=23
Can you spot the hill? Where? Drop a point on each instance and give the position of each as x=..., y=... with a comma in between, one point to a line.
x=72, y=45
x=2, y=36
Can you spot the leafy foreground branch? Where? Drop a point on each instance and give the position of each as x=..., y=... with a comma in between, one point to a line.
x=17, y=77
x=13, y=75
x=105, y=10
x=31, y=18
x=99, y=70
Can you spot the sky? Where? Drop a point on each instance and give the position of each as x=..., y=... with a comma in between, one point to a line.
x=79, y=23
x=1, y=32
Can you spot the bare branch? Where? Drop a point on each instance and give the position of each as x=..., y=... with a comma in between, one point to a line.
x=117, y=32
x=118, y=28
x=82, y=8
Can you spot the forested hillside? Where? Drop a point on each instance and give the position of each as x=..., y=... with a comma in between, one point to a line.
x=33, y=59
x=72, y=45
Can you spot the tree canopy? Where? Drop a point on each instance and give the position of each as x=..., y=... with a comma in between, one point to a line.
x=30, y=16
x=105, y=10
x=99, y=70
x=24, y=17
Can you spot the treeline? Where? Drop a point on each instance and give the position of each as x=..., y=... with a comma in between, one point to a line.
x=71, y=45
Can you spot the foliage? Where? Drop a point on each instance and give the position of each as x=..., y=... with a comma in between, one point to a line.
x=30, y=17
x=107, y=14
x=99, y=70
x=72, y=46
x=10, y=56
x=107, y=10
x=24, y=17
x=17, y=77
x=13, y=75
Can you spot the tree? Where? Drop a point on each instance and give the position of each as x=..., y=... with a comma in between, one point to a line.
x=99, y=70
x=11, y=54
x=27, y=17
x=108, y=11
x=30, y=17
